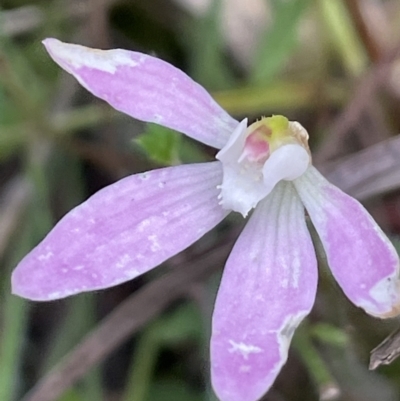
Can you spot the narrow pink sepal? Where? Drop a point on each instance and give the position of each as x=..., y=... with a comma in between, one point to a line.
x=268, y=287
x=360, y=256
x=146, y=88
x=123, y=231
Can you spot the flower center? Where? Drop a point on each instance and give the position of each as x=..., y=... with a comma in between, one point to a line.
x=257, y=157
x=256, y=145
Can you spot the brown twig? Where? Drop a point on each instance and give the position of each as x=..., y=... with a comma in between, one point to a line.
x=365, y=91
x=17, y=194
x=365, y=33
x=128, y=318
x=97, y=24
x=386, y=352
x=374, y=170
x=27, y=18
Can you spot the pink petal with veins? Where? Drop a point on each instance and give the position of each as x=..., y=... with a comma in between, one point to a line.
x=146, y=88
x=362, y=259
x=268, y=287
x=122, y=231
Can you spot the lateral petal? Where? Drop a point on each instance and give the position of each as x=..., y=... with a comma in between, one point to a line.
x=268, y=287
x=361, y=258
x=123, y=231
x=241, y=187
x=146, y=88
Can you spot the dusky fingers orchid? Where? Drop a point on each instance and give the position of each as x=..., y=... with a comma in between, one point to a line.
x=270, y=278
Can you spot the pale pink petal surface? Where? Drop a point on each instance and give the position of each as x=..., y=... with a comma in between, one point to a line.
x=146, y=88
x=361, y=257
x=123, y=231
x=268, y=287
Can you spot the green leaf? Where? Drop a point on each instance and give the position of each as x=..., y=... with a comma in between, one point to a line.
x=185, y=322
x=280, y=95
x=191, y=152
x=160, y=143
x=279, y=41
x=72, y=395
x=167, y=390
x=344, y=36
x=206, y=47
x=314, y=362
x=329, y=334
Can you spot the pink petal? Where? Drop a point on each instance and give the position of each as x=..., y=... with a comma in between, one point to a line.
x=146, y=88
x=123, y=231
x=268, y=287
x=361, y=257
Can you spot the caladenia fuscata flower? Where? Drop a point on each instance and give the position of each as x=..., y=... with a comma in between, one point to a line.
x=270, y=279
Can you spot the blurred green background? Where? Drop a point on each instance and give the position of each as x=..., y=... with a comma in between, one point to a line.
x=333, y=65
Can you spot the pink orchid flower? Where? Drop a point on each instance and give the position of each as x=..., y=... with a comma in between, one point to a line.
x=270, y=279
